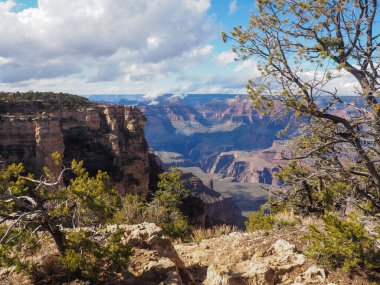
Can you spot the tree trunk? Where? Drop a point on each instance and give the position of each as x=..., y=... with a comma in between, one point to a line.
x=59, y=239
x=58, y=236
x=309, y=194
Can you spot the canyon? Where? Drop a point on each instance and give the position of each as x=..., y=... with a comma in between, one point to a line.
x=200, y=132
x=221, y=134
x=112, y=138
x=220, y=137
x=105, y=137
x=217, y=137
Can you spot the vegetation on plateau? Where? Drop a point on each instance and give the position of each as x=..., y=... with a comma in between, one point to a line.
x=302, y=49
x=263, y=221
x=60, y=99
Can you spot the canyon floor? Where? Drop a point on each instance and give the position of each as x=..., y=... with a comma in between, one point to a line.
x=247, y=196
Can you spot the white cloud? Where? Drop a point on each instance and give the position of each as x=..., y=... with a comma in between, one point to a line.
x=199, y=52
x=249, y=67
x=7, y=6
x=102, y=40
x=115, y=46
x=246, y=64
x=153, y=42
x=225, y=57
x=199, y=5
x=5, y=60
x=154, y=94
x=233, y=7
x=343, y=82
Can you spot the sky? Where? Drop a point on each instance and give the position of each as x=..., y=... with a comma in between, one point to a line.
x=146, y=47
x=149, y=47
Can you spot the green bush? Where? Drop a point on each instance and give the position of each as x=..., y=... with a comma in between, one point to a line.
x=32, y=208
x=260, y=221
x=176, y=225
x=163, y=210
x=134, y=211
x=22, y=242
x=343, y=243
x=91, y=256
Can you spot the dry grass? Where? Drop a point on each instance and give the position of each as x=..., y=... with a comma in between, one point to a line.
x=286, y=219
x=50, y=271
x=200, y=234
x=15, y=279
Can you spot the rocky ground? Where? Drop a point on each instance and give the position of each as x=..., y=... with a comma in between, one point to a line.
x=257, y=258
x=236, y=258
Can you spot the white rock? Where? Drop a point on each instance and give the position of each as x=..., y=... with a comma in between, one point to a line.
x=313, y=275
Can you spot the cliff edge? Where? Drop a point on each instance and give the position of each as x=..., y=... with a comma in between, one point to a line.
x=105, y=137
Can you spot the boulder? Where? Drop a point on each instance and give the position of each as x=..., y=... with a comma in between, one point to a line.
x=262, y=268
x=155, y=260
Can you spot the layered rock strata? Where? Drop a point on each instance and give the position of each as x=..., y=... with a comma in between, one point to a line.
x=210, y=208
x=251, y=166
x=223, y=136
x=105, y=137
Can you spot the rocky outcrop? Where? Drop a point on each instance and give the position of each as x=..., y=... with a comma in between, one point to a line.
x=236, y=258
x=105, y=137
x=213, y=207
x=155, y=260
x=313, y=275
x=149, y=236
x=261, y=268
x=251, y=259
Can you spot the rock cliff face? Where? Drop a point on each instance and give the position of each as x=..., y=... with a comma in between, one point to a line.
x=105, y=137
x=208, y=207
x=251, y=166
